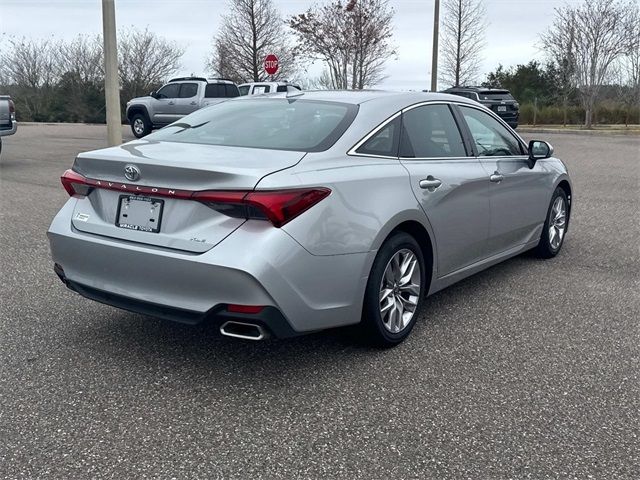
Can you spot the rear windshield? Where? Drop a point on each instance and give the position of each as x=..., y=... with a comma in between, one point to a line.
x=277, y=124
x=495, y=96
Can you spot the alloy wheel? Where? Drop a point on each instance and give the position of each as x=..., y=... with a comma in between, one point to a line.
x=400, y=290
x=557, y=222
x=138, y=126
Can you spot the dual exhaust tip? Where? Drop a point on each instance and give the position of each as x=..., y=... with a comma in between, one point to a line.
x=243, y=330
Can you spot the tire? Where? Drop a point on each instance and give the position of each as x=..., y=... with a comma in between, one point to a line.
x=391, y=328
x=140, y=125
x=555, y=226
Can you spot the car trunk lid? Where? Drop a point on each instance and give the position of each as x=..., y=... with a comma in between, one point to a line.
x=152, y=205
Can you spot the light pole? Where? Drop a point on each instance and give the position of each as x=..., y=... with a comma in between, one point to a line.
x=111, y=83
x=434, y=54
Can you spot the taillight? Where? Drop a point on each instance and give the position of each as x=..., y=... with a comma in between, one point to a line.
x=12, y=107
x=277, y=206
x=74, y=183
x=283, y=206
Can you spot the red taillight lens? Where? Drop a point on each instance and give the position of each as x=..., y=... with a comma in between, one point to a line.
x=279, y=207
x=283, y=206
x=74, y=183
x=251, y=309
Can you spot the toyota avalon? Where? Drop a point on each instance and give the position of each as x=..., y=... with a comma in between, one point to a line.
x=286, y=214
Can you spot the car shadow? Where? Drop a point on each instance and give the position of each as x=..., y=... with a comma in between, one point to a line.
x=139, y=342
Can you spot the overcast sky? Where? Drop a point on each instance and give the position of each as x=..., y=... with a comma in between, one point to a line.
x=511, y=37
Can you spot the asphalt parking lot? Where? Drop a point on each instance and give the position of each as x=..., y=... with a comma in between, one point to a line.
x=527, y=370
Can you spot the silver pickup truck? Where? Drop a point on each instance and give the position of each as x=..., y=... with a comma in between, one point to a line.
x=8, y=124
x=179, y=97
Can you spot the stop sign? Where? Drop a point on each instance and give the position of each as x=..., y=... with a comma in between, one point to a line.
x=271, y=64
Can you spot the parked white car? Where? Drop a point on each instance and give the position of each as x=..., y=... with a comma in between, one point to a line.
x=258, y=88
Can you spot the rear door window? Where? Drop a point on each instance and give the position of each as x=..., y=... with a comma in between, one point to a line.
x=188, y=90
x=430, y=131
x=214, y=90
x=231, y=91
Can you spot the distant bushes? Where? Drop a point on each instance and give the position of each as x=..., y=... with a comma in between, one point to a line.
x=611, y=114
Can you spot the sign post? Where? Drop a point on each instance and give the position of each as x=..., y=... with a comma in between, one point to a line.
x=271, y=64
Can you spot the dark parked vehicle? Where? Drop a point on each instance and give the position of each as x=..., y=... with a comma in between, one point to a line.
x=499, y=100
x=8, y=124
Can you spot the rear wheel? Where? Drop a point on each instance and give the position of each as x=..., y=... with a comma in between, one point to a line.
x=394, y=293
x=140, y=125
x=555, y=226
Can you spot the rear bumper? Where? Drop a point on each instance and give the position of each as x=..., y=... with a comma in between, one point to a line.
x=270, y=318
x=256, y=265
x=510, y=117
x=8, y=130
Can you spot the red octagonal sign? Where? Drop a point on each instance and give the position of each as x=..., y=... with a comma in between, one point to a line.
x=271, y=64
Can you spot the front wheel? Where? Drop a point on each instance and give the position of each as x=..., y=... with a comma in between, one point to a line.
x=394, y=293
x=555, y=226
x=140, y=125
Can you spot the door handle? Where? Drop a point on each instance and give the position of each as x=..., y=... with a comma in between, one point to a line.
x=496, y=177
x=430, y=183
x=194, y=103
x=171, y=103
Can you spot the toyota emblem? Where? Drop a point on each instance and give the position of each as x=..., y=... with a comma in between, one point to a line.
x=132, y=172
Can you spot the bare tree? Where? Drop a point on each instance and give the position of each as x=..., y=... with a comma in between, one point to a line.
x=599, y=35
x=250, y=31
x=630, y=64
x=462, y=41
x=353, y=42
x=559, y=45
x=81, y=57
x=145, y=61
x=29, y=66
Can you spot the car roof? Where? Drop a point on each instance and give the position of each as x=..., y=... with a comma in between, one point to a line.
x=477, y=89
x=358, y=97
x=266, y=82
x=200, y=79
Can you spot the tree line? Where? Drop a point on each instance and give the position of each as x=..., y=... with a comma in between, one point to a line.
x=63, y=81
x=592, y=58
x=592, y=64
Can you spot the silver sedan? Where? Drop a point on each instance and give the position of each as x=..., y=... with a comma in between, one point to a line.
x=287, y=214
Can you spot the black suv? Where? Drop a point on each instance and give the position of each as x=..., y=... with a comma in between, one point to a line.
x=496, y=99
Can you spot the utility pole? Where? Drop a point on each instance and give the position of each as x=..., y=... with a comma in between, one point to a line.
x=434, y=54
x=111, y=81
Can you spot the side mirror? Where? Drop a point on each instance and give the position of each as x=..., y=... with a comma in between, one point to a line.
x=153, y=94
x=539, y=149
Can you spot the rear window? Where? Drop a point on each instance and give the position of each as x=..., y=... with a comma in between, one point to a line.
x=277, y=124
x=495, y=96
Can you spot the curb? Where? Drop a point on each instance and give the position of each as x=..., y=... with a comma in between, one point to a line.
x=576, y=131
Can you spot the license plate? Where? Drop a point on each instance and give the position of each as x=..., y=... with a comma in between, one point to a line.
x=502, y=108
x=139, y=213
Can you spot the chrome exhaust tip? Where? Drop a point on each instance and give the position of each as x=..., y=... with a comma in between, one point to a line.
x=246, y=331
